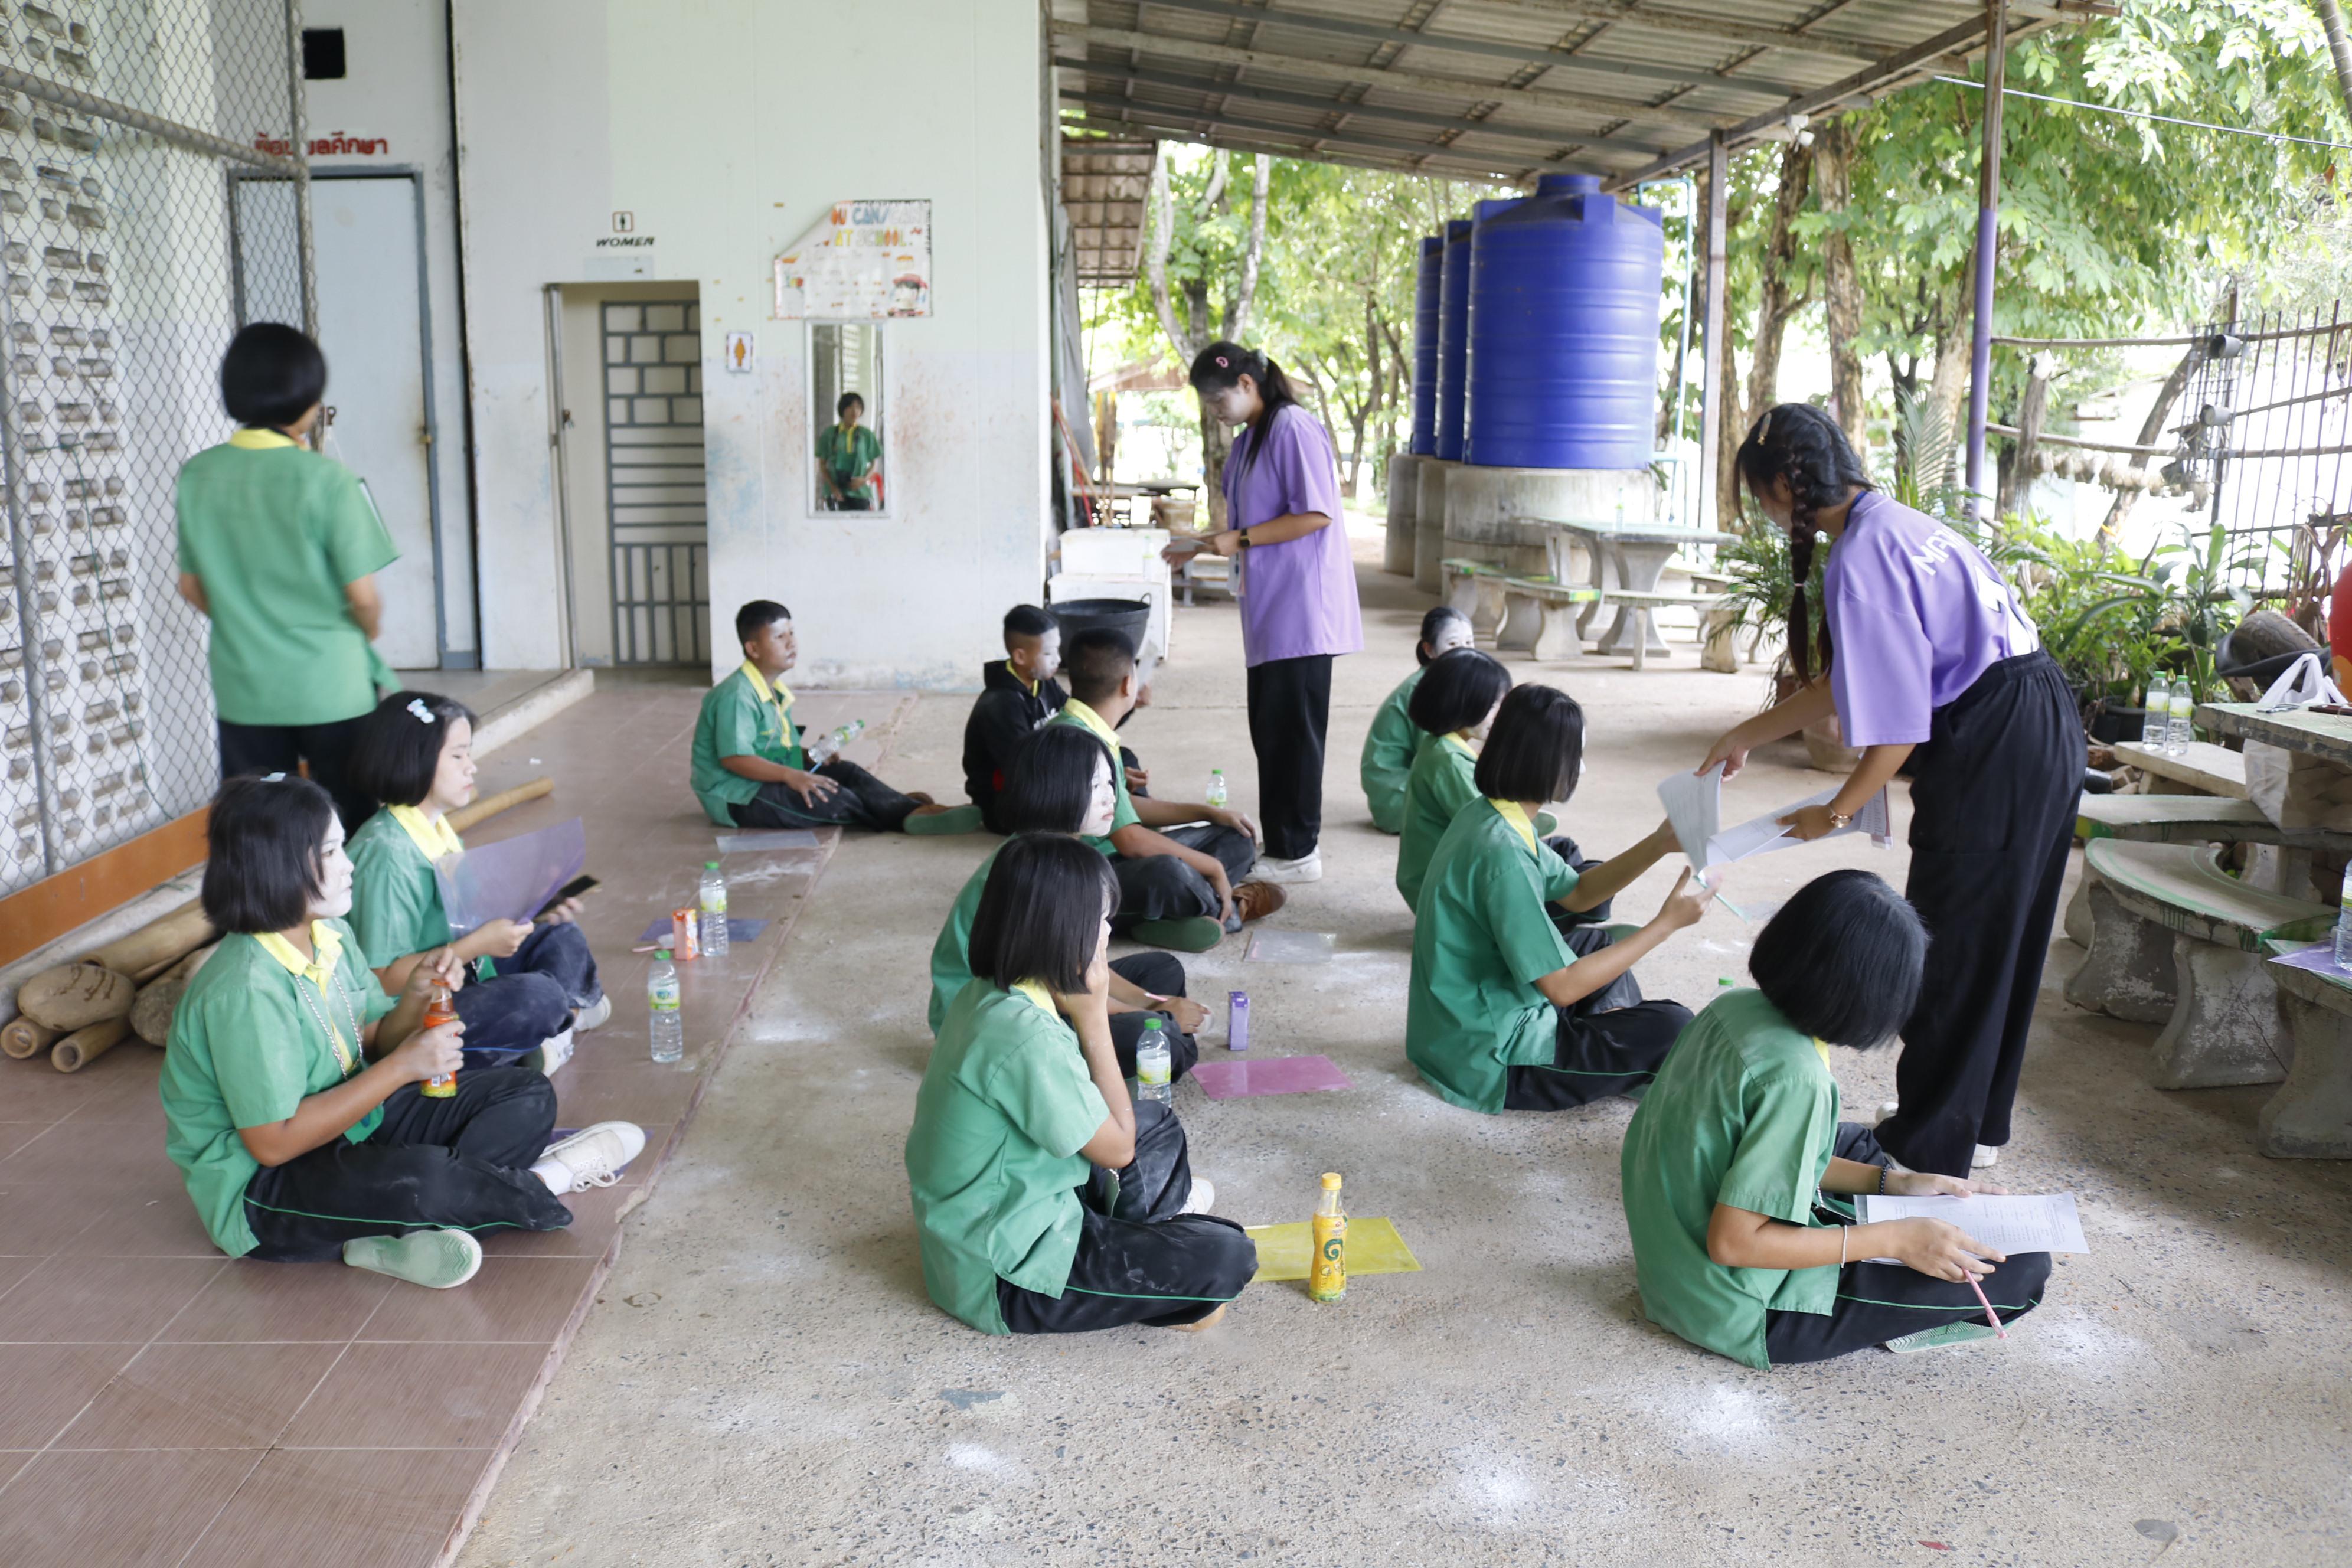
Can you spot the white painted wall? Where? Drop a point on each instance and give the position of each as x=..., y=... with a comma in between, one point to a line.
x=728, y=127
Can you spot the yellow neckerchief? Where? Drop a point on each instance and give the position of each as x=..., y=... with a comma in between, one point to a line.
x=1035, y=991
x=434, y=835
x=320, y=971
x=1460, y=744
x=1822, y=1046
x=1017, y=675
x=1092, y=720
x=779, y=694
x=256, y=440
x=1510, y=812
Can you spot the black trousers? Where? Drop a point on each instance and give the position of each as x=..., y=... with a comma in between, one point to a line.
x=1609, y=1042
x=1562, y=845
x=1162, y=975
x=1162, y=888
x=282, y=748
x=1139, y=1260
x=1289, y=711
x=459, y=1163
x=1994, y=796
x=861, y=801
x=1881, y=1302
x=530, y=1001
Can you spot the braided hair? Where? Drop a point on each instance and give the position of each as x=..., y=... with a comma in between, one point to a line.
x=1802, y=446
x=1221, y=364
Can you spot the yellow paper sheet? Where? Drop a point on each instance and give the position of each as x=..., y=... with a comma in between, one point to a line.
x=1373, y=1247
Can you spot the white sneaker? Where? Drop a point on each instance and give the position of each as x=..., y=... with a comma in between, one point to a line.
x=591, y=1157
x=1887, y=1108
x=1985, y=1157
x=555, y=1051
x=1204, y=1194
x=1308, y=868
x=437, y=1259
x=592, y=1017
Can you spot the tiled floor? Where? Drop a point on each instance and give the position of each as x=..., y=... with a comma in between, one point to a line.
x=162, y=1404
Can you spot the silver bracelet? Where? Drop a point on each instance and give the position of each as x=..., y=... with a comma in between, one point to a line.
x=1845, y=1233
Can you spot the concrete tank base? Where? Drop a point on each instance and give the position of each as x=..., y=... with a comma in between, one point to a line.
x=1429, y=524
x=1404, y=503
x=1497, y=515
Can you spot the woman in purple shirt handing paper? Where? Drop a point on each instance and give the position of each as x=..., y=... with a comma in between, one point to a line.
x=1931, y=669
x=1296, y=586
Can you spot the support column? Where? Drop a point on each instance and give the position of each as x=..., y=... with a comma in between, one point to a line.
x=1987, y=249
x=1718, y=351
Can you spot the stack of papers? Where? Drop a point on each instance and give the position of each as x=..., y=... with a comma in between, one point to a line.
x=1694, y=804
x=2009, y=1223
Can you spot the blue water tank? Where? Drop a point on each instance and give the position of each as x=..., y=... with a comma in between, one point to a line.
x=1425, y=291
x=1452, y=337
x=1564, y=331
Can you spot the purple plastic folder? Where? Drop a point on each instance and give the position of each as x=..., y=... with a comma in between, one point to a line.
x=512, y=880
x=1268, y=1075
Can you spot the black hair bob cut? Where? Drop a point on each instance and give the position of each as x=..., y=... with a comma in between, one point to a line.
x=757, y=616
x=1460, y=688
x=398, y=749
x=1028, y=621
x=1052, y=780
x=1041, y=911
x=1842, y=959
x=1095, y=661
x=262, y=863
x=1536, y=750
x=840, y=405
x=271, y=375
x=1433, y=623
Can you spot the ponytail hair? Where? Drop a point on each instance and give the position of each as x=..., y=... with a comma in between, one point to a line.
x=1802, y=446
x=1220, y=366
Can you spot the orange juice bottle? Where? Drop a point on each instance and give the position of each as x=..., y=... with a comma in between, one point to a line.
x=439, y=1011
x=1326, y=1278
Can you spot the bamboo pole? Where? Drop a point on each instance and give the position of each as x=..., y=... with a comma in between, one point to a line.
x=22, y=1037
x=489, y=805
x=83, y=1047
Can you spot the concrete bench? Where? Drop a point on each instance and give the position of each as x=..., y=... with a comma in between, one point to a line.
x=1635, y=628
x=2177, y=939
x=1541, y=616
x=2310, y=1117
x=1476, y=589
x=2160, y=820
x=2204, y=769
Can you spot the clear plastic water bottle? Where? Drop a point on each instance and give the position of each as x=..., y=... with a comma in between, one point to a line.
x=1218, y=794
x=710, y=897
x=1154, y=1071
x=2184, y=708
x=832, y=744
x=2344, y=925
x=666, y=1021
x=2155, y=726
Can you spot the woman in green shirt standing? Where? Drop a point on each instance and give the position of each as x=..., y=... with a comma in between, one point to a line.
x=1394, y=740
x=1047, y=1201
x=1738, y=1171
x=849, y=459
x=279, y=547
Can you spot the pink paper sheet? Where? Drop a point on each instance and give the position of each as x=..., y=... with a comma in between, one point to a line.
x=1268, y=1075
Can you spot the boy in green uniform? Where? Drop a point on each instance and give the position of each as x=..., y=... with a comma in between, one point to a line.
x=1394, y=740
x=291, y=1087
x=750, y=769
x=1046, y=1200
x=1502, y=1014
x=1736, y=1166
x=847, y=455
x=279, y=547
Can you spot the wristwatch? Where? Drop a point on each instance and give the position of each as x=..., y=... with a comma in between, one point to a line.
x=1841, y=819
x=1244, y=538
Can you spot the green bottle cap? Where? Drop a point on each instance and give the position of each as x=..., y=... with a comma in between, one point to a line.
x=1724, y=980
x=711, y=865
x=661, y=955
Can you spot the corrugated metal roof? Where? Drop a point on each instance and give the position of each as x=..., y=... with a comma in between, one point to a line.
x=1105, y=185
x=1503, y=89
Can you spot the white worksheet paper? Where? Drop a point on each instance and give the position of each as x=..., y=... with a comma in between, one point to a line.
x=2008, y=1223
x=1694, y=804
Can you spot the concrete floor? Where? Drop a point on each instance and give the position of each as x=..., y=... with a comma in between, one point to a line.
x=763, y=1381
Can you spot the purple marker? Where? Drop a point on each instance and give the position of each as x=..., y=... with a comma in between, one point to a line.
x=1238, y=1021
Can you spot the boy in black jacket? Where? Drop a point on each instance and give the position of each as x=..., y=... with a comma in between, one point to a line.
x=1017, y=694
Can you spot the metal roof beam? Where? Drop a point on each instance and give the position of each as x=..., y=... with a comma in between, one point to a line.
x=1693, y=24
x=1127, y=116
x=1092, y=100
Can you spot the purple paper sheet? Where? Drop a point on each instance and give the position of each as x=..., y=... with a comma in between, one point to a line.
x=1268, y=1075
x=2320, y=959
x=512, y=879
x=737, y=929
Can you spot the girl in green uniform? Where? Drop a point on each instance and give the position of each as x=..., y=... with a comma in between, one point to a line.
x=1394, y=740
x=1046, y=1200
x=291, y=1085
x=1737, y=1170
x=1453, y=707
x=535, y=981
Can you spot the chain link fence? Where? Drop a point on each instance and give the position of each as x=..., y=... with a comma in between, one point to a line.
x=152, y=199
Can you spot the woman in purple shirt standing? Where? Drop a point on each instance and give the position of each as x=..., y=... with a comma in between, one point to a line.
x=1932, y=670
x=1296, y=586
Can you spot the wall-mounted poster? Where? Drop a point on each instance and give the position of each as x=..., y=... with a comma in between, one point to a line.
x=866, y=261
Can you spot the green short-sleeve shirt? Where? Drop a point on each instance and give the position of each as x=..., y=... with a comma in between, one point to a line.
x=1482, y=941
x=246, y=1051
x=1441, y=781
x=274, y=532
x=993, y=1161
x=1743, y=1113
x=952, y=954
x=737, y=721
x=850, y=459
x=1123, y=814
x=1390, y=746
x=395, y=898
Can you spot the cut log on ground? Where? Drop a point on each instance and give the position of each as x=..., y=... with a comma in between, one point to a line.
x=489, y=805
x=150, y=1015
x=76, y=995
x=158, y=944
x=22, y=1037
x=83, y=1047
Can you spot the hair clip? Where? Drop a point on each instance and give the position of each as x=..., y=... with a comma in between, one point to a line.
x=273, y=778
x=1220, y=363
x=424, y=714
x=1764, y=426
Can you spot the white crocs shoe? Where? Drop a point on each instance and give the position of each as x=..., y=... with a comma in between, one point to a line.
x=594, y=1016
x=593, y=1157
x=1308, y=868
x=1204, y=1194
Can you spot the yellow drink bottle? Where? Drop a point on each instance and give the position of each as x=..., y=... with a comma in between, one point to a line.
x=437, y=1011
x=1327, y=1277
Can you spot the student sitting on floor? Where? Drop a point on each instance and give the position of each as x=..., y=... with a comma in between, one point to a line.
x=291, y=1087
x=1017, y=694
x=1394, y=740
x=1503, y=1014
x=1176, y=888
x=1452, y=708
x=1061, y=783
x=751, y=772
x=1046, y=1200
x=535, y=981
x=1730, y=1158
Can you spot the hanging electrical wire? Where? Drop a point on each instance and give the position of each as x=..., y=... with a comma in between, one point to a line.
x=2271, y=136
